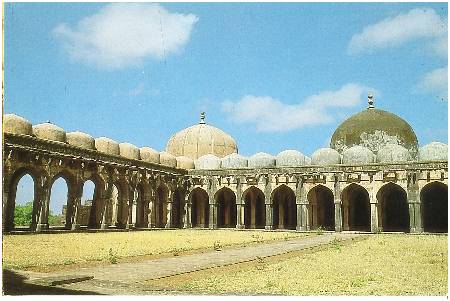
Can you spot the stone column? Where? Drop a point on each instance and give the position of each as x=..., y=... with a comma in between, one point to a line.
x=212, y=216
x=373, y=216
x=169, y=216
x=337, y=216
x=44, y=201
x=240, y=216
x=418, y=217
x=187, y=217
x=150, y=210
x=77, y=206
x=269, y=218
x=105, y=202
x=346, y=218
x=415, y=214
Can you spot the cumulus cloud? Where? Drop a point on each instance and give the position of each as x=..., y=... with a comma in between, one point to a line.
x=272, y=115
x=125, y=34
x=436, y=81
x=394, y=31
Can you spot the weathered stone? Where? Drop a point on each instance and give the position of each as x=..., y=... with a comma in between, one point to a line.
x=393, y=153
x=357, y=155
x=49, y=131
x=207, y=162
x=106, y=145
x=290, y=158
x=148, y=154
x=16, y=125
x=261, y=160
x=167, y=159
x=434, y=151
x=185, y=162
x=325, y=156
x=81, y=139
x=129, y=151
x=234, y=160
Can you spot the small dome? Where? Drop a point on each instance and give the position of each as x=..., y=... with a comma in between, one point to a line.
x=106, y=145
x=290, y=158
x=49, y=131
x=357, y=155
x=185, y=162
x=148, y=154
x=325, y=156
x=234, y=161
x=129, y=151
x=199, y=140
x=393, y=153
x=167, y=159
x=207, y=162
x=374, y=128
x=261, y=160
x=435, y=151
x=80, y=139
x=14, y=124
x=307, y=160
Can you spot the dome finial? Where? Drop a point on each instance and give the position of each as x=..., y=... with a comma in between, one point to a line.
x=202, y=118
x=370, y=100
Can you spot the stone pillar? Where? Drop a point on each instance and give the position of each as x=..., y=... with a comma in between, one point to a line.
x=269, y=219
x=77, y=206
x=418, y=217
x=240, y=216
x=169, y=217
x=373, y=216
x=337, y=215
x=187, y=217
x=346, y=218
x=212, y=216
x=44, y=201
x=105, y=202
x=415, y=214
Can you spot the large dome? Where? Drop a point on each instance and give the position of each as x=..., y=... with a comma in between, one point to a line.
x=201, y=139
x=374, y=129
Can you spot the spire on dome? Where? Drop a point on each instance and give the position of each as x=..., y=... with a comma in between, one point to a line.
x=202, y=118
x=370, y=100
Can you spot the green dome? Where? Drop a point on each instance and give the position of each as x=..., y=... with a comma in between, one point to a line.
x=374, y=128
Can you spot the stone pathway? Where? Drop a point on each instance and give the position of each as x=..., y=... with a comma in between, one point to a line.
x=133, y=274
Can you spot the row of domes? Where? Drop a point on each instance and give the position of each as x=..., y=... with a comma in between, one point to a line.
x=391, y=153
x=18, y=125
x=358, y=154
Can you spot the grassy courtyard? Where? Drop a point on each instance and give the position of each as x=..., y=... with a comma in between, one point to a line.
x=378, y=265
x=43, y=251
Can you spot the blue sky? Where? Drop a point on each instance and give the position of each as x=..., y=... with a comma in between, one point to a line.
x=274, y=76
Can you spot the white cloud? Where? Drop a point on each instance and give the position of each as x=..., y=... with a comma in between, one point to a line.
x=272, y=115
x=436, y=81
x=125, y=34
x=405, y=27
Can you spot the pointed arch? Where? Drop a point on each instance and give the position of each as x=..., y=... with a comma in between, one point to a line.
x=393, y=208
x=162, y=196
x=356, y=208
x=254, y=208
x=434, y=207
x=321, y=208
x=226, y=208
x=284, y=208
x=199, y=208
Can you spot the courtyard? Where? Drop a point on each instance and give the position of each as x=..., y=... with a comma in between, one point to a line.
x=225, y=262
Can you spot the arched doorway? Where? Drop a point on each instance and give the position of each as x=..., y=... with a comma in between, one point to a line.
x=255, y=208
x=21, y=209
x=434, y=206
x=88, y=196
x=199, y=208
x=393, y=208
x=162, y=194
x=356, y=208
x=59, y=206
x=177, y=209
x=226, y=208
x=284, y=208
x=321, y=208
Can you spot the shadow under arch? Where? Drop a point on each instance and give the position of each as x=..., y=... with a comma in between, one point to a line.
x=199, y=200
x=321, y=208
x=254, y=208
x=162, y=196
x=434, y=207
x=393, y=210
x=284, y=208
x=226, y=208
x=356, y=208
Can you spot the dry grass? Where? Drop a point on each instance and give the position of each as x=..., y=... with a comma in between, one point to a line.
x=379, y=265
x=28, y=251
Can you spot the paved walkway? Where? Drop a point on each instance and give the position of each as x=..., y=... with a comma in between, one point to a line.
x=131, y=274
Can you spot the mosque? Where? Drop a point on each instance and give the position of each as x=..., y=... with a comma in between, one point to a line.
x=374, y=177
